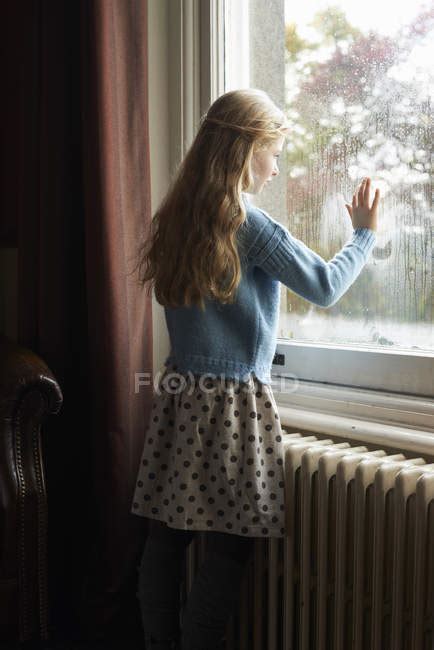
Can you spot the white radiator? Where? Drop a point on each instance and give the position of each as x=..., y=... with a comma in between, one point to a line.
x=356, y=568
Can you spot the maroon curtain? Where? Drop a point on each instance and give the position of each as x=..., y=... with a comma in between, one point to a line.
x=81, y=188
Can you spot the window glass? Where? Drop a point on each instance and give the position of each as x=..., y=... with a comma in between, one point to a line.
x=357, y=83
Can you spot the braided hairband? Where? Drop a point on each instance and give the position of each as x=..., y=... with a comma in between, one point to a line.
x=229, y=125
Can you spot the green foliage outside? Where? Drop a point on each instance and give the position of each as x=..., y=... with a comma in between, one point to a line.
x=353, y=115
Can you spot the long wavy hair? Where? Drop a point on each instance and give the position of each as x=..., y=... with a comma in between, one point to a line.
x=191, y=252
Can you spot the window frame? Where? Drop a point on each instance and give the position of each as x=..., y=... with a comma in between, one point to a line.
x=401, y=382
x=196, y=68
x=393, y=371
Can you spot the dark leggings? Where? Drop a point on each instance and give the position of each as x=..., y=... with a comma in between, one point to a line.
x=214, y=593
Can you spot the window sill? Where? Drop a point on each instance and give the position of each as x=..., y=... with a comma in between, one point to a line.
x=398, y=421
x=386, y=371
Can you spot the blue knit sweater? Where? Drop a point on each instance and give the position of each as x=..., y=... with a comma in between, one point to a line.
x=239, y=340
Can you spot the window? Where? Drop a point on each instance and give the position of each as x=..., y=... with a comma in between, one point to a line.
x=357, y=83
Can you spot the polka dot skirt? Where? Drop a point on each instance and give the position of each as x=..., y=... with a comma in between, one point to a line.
x=212, y=457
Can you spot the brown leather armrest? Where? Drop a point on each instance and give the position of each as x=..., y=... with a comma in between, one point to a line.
x=28, y=393
x=22, y=370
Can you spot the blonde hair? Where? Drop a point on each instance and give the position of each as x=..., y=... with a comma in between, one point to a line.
x=191, y=252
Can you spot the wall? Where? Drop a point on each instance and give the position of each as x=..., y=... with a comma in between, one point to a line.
x=8, y=292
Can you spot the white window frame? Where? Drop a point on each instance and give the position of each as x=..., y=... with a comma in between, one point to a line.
x=395, y=371
x=337, y=380
x=195, y=70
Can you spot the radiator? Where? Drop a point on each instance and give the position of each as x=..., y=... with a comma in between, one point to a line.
x=356, y=567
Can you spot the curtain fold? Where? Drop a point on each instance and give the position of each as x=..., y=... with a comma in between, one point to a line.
x=82, y=179
x=117, y=205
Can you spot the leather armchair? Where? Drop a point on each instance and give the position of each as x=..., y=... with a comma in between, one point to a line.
x=28, y=393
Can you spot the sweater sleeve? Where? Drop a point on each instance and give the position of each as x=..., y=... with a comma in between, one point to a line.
x=289, y=260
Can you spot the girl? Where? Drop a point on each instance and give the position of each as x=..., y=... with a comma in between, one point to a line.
x=212, y=458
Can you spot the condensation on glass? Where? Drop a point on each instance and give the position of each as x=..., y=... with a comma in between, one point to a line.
x=357, y=83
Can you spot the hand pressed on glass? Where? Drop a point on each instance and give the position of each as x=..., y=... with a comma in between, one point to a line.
x=361, y=214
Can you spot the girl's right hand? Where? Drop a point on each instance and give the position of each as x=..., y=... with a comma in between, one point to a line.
x=360, y=213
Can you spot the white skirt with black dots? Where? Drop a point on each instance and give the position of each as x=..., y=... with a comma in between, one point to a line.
x=213, y=456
